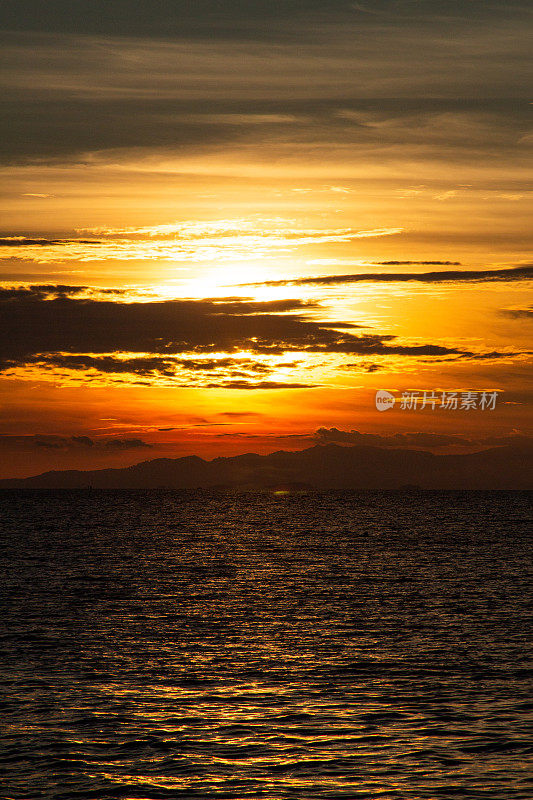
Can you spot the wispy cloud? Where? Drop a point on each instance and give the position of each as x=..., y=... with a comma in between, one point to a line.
x=421, y=263
x=220, y=241
x=523, y=273
x=55, y=442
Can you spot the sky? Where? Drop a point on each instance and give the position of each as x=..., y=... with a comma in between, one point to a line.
x=225, y=226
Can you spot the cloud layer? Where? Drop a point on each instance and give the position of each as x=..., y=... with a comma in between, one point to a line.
x=234, y=342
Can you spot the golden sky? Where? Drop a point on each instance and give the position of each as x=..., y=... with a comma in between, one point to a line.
x=224, y=227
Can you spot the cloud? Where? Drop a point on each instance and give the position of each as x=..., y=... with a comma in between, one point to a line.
x=83, y=440
x=125, y=444
x=18, y=277
x=51, y=291
x=260, y=385
x=421, y=439
x=518, y=313
x=225, y=305
x=57, y=442
x=327, y=435
x=424, y=263
x=522, y=273
x=230, y=342
x=150, y=365
x=350, y=132
x=150, y=76
x=36, y=321
x=170, y=19
x=256, y=228
x=237, y=414
x=220, y=241
x=23, y=241
x=362, y=366
x=294, y=20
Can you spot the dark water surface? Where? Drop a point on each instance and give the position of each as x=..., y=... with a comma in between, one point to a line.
x=195, y=645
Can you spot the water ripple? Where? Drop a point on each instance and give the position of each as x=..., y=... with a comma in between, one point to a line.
x=205, y=645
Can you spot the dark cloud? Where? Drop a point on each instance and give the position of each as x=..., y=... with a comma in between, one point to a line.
x=225, y=305
x=162, y=18
x=260, y=385
x=83, y=440
x=239, y=414
x=418, y=439
x=518, y=313
x=424, y=263
x=146, y=365
x=32, y=326
x=88, y=77
x=50, y=291
x=299, y=438
x=39, y=292
x=68, y=328
x=362, y=365
x=125, y=444
x=444, y=130
x=523, y=273
x=259, y=19
x=17, y=277
x=56, y=442
x=22, y=241
x=327, y=435
x=492, y=354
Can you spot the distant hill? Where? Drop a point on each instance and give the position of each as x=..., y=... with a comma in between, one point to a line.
x=322, y=467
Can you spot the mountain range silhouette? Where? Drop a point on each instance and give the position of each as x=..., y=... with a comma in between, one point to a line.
x=320, y=467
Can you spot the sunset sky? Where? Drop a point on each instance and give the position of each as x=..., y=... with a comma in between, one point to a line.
x=225, y=225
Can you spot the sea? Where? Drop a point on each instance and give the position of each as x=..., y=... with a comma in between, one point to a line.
x=166, y=644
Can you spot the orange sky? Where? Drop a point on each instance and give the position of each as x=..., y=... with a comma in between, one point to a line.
x=204, y=174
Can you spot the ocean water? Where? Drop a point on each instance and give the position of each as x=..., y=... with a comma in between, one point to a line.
x=204, y=645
